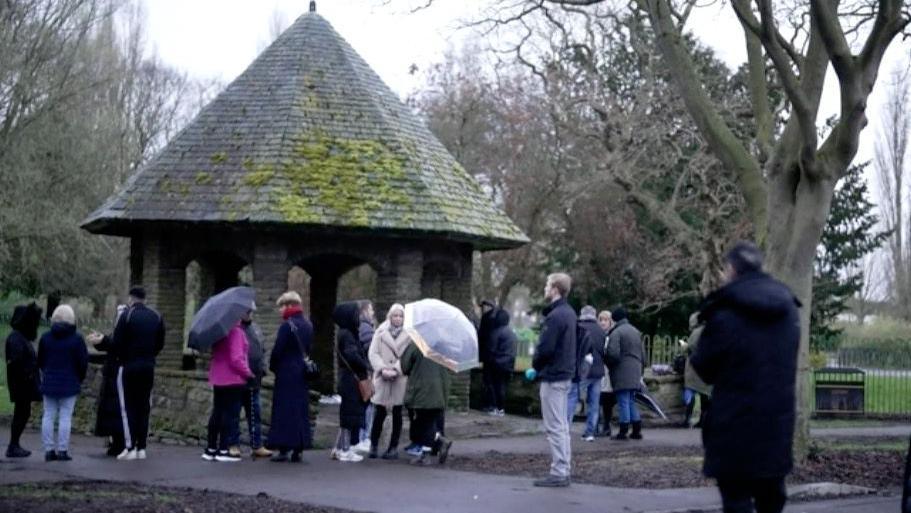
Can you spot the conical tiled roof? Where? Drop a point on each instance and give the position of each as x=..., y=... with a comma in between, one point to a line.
x=309, y=135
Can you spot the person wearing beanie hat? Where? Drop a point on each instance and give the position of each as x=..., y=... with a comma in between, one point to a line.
x=748, y=351
x=625, y=356
x=63, y=361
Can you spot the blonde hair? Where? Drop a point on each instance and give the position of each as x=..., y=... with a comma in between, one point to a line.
x=64, y=314
x=393, y=308
x=561, y=282
x=289, y=298
x=605, y=313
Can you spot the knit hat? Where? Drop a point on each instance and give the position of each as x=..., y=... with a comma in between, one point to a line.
x=744, y=257
x=588, y=313
x=64, y=314
x=619, y=314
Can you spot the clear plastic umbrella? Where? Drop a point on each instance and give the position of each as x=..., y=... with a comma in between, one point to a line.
x=218, y=315
x=442, y=333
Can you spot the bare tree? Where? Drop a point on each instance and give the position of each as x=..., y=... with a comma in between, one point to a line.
x=786, y=176
x=891, y=165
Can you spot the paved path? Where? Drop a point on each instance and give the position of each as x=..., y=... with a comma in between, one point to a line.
x=387, y=487
x=660, y=437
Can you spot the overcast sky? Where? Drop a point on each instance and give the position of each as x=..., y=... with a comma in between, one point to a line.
x=220, y=38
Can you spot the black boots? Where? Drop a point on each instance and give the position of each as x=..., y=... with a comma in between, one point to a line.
x=637, y=431
x=16, y=451
x=689, y=414
x=621, y=433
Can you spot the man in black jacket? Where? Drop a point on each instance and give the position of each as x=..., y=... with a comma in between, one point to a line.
x=590, y=371
x=138, y=338
x=748, y=351
x=554, y=363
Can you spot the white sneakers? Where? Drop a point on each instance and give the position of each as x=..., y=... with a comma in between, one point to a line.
x=132, y=454
x=129, y=455
x=363, y=447
x=349, y=456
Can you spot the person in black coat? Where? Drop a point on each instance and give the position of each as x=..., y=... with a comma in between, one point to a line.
x=138, y=338
x=108, y=420
x=22, y=375
x=290, y=429
x=485, y=327
x=353, y=366
x=501, y=360
x=748, y=351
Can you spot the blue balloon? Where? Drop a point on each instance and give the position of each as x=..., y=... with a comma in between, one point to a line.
x=531, y=374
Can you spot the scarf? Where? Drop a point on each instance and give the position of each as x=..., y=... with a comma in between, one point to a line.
x=290, y=312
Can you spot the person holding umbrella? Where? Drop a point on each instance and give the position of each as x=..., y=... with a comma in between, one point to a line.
x=353, y=368
x=443, y=341
x=217, y=325
x=427, y=394
x=290, y=431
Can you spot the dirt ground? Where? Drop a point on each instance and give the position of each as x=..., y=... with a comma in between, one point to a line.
x=627, y=466
x=108, y=497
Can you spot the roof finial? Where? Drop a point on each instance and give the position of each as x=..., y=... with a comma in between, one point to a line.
x=312, y=5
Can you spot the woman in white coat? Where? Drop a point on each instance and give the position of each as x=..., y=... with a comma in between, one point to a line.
x=389, y=342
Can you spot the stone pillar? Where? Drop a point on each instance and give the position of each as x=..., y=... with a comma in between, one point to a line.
x=164, y=278
x=323, y=295
x=400, y=281
x=270, y=279
x=451, y=282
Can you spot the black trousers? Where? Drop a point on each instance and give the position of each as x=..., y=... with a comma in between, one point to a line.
x=226, y=403
x=425, y=426
x=22, y=410
x=753, y=495
x=608, y=401
x=497, y=382
x=136, y=383
x=378, y=418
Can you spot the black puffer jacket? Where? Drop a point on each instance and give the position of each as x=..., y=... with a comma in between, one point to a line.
x=555, y=354
x=748, y=350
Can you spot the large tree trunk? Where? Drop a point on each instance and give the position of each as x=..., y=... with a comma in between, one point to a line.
x=799, y=211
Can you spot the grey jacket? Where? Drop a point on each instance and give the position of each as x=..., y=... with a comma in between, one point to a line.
x=625, y=356
x=256, y=355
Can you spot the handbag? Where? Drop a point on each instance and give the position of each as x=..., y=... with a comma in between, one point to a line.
x=364, y=386
x=311, y=368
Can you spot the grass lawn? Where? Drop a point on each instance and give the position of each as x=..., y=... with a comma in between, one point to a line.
x=6, y=408
x=888, y=394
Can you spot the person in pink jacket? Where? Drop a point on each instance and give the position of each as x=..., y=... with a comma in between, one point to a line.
x=228, y=375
